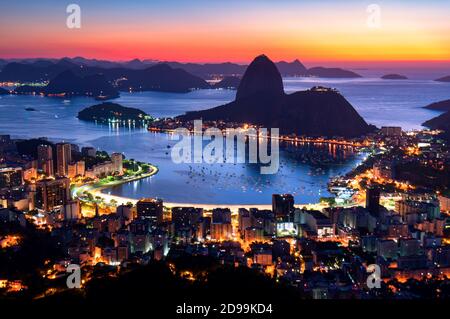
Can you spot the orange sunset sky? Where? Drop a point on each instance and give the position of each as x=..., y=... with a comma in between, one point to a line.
x=210, y=31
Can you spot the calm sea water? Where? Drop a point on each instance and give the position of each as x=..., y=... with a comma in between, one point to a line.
x=380, y=102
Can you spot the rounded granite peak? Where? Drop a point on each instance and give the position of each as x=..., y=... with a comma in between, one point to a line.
x=261, y=77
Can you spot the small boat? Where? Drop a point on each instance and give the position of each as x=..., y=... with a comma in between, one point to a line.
x=101, y=98
x=30, y=109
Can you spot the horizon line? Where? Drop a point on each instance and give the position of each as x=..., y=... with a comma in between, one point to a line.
x=390, y=61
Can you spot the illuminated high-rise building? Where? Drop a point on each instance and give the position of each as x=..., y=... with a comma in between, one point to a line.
x=11, y=177
x=282, y=205
x=81, y=168
x=52, y=193
x=45, y=159
x=149, y=208
x=117, y=162
x=44, y=153
x=373, y=200
x=63, y=158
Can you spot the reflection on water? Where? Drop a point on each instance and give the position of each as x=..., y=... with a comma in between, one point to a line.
x=304, y=172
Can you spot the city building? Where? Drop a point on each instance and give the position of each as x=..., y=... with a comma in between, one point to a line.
x=126, y=212
x=262, y=254
x=11, y=177
x=221, y=231
x=185, y=217
x=117, y=163
x=244, y=219
x=357, y=218
x=388, y=249
x=88, y=151
x=314, y=224
x=221, y=215
x=100, y=170
x=45, y=158
x=48, y=168
x=150, y=208
x=253, y=234
x=444, y=202
x=384, y=170
x=6, y=144
x=407, y=207
x=52, y=193
x=71, y=210
x=63, y=158
x=282, y=205
x=30, y=174
x=373, y=200
x=81, y=168
x=369, y=243
x=264, y=218
x=391, y=131
x=76, y=169
x=71, y=170
x=409, y=247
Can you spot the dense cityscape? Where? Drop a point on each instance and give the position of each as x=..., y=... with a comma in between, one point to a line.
x=392, y=211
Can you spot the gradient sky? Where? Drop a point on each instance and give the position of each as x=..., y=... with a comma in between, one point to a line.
x=201, y=31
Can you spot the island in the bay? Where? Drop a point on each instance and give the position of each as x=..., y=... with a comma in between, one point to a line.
x=394, y=76
x=108, y=112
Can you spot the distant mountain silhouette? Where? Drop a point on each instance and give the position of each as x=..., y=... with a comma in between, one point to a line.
x=439, y=106
x=260, y=99
x=96, y=63
x=332, y=73
x=3, y=91
x=394, y=77
x=43, y=63
x=140, y=75
x=162, y=77
x=159, y=77
x=294, y=68
x=444, y=79
x=3, y=63
x=71, y=85
x=67, y=77
x=207, y=70
x=229, y=82
x=135, y=64
x=39, y=70
x=21, y=72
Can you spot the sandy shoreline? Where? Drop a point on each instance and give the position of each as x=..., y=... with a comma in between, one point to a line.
x=99, y=191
